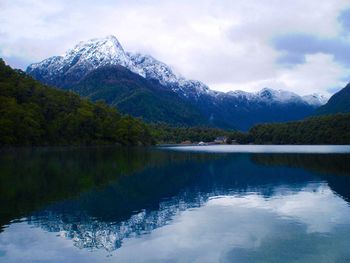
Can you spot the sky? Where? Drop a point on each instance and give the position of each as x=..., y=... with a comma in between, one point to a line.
x=296, y=45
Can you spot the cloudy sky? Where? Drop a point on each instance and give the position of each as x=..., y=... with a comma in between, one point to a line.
x=297, y=45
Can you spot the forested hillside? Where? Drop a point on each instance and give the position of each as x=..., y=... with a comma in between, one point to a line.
x=34, y=114
x=165, y=133
x=328, y=129
x=132, y=94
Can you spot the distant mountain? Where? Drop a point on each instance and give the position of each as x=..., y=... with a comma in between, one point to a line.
x=267, y=105
x=143, y=86
x=338, y=103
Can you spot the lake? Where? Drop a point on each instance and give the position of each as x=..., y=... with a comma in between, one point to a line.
x=175, y=204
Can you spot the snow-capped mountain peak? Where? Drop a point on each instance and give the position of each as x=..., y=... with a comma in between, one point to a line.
x=98, y=48
x=85, y=57
x=98, y=52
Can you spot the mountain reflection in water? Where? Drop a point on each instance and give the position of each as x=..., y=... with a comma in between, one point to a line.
x=190, y=206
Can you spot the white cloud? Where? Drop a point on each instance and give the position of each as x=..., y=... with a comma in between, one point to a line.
x=319, y=74
x=225, y=44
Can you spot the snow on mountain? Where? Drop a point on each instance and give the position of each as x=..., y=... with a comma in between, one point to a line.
x=268, y=95
x=242, y=95
x=157, y=70
x=99, y=52
x=315, y=99
x=154, y=69
x=85, y=57
x=280, y=96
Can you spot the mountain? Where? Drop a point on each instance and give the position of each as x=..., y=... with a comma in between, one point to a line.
x=145, y=87
x=338, y=103
x=135, y=95
x=34, y=114
x=267, y=105
x=82, y=59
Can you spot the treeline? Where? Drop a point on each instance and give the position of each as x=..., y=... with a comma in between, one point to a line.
x=34, y=114
x=165, y=133
x=328, y=129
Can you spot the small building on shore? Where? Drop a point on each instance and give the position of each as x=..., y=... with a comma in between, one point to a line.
x=221, y=140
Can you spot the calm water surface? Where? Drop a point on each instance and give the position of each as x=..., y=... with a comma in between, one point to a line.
x=188, y=204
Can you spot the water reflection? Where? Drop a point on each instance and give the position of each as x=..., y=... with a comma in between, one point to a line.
x=180, y=207
x=32, y=178
x=324, y=166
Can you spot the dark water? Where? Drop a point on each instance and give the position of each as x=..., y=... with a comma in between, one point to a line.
x=160, y=205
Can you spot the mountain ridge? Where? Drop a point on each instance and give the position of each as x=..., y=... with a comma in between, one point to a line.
x=100, y=52
x=234, y=109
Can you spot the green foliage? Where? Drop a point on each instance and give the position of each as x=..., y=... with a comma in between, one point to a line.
x=329, y=129
x=34, y=114
x=165, y=133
